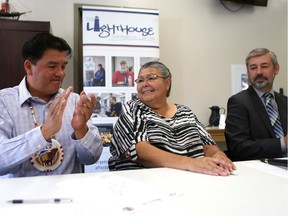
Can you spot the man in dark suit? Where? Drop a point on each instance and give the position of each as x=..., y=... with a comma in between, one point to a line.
x=249, y=132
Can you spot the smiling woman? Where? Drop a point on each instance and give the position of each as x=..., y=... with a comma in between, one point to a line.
x=152, y=132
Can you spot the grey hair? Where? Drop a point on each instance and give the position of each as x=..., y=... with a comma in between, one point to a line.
x=262, y=51
x=165, y=72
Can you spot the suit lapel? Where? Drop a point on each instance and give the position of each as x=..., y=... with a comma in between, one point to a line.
x=260, y=109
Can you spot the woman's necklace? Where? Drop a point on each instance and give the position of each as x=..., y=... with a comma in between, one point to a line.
x=50, y=156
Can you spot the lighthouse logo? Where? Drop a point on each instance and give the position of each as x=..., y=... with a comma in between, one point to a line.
x=95, y=27
x=107, y=30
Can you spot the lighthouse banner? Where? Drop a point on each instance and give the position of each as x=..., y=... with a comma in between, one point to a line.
x=116, y=43
x=112, y=36
x=118, y=26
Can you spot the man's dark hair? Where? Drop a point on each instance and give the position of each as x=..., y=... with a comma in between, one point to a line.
x=34, y=49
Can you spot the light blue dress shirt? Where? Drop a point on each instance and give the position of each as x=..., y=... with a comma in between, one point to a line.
x=19, y=139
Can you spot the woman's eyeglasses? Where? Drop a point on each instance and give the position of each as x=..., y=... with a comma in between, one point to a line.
x=148, y=78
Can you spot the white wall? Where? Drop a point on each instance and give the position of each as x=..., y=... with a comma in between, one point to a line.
x=199, y=40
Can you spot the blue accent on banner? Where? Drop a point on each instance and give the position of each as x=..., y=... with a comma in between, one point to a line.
x=120, y=11
x=119, y=45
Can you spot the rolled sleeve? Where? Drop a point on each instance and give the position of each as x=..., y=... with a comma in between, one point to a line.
x=132, y=153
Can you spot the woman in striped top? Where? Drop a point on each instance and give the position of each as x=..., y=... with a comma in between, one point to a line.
x=152, y=132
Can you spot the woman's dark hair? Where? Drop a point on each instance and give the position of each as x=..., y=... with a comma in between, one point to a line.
x=34, y=49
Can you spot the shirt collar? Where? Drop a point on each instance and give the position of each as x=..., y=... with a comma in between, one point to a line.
x=260, y=93
x=24, y=93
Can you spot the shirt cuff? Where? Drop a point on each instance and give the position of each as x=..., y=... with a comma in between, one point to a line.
x=283, y=147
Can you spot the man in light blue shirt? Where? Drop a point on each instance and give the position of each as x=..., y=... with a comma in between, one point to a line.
x=44, y=129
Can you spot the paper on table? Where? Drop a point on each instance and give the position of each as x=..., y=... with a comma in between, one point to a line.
x=114, y=194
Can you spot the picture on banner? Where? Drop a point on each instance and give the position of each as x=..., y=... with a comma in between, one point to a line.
x=94, y=71
x=123, y=74
x=109, y=104
x=116, y=43
x=105, y=131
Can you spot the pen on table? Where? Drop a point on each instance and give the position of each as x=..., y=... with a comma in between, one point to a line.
x=233, y=173
x=40, y=201
x=275, y=161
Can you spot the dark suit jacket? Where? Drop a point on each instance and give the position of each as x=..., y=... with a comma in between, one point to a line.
x=248, y=132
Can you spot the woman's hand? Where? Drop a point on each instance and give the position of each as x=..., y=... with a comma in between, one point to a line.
x=211, y=166
x=214, y=152
x=228, y=164
x=151, y=156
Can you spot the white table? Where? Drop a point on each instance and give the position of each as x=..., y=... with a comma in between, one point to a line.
x=255, y=189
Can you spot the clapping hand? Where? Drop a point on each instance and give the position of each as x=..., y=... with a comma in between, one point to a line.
x=53, y=121
x=82, y=114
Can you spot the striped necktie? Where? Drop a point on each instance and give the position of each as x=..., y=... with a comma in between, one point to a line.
x=273, y=115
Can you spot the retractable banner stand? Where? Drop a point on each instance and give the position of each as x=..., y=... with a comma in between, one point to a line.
x=116, y=42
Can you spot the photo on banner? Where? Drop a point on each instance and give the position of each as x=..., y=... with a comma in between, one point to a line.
x=105, y=131
x=116, y=43
x=94, y=71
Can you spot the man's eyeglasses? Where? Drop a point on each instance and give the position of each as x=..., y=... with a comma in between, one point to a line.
x=148, y=78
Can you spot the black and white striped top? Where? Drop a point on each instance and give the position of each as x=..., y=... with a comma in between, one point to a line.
x=182, y=134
